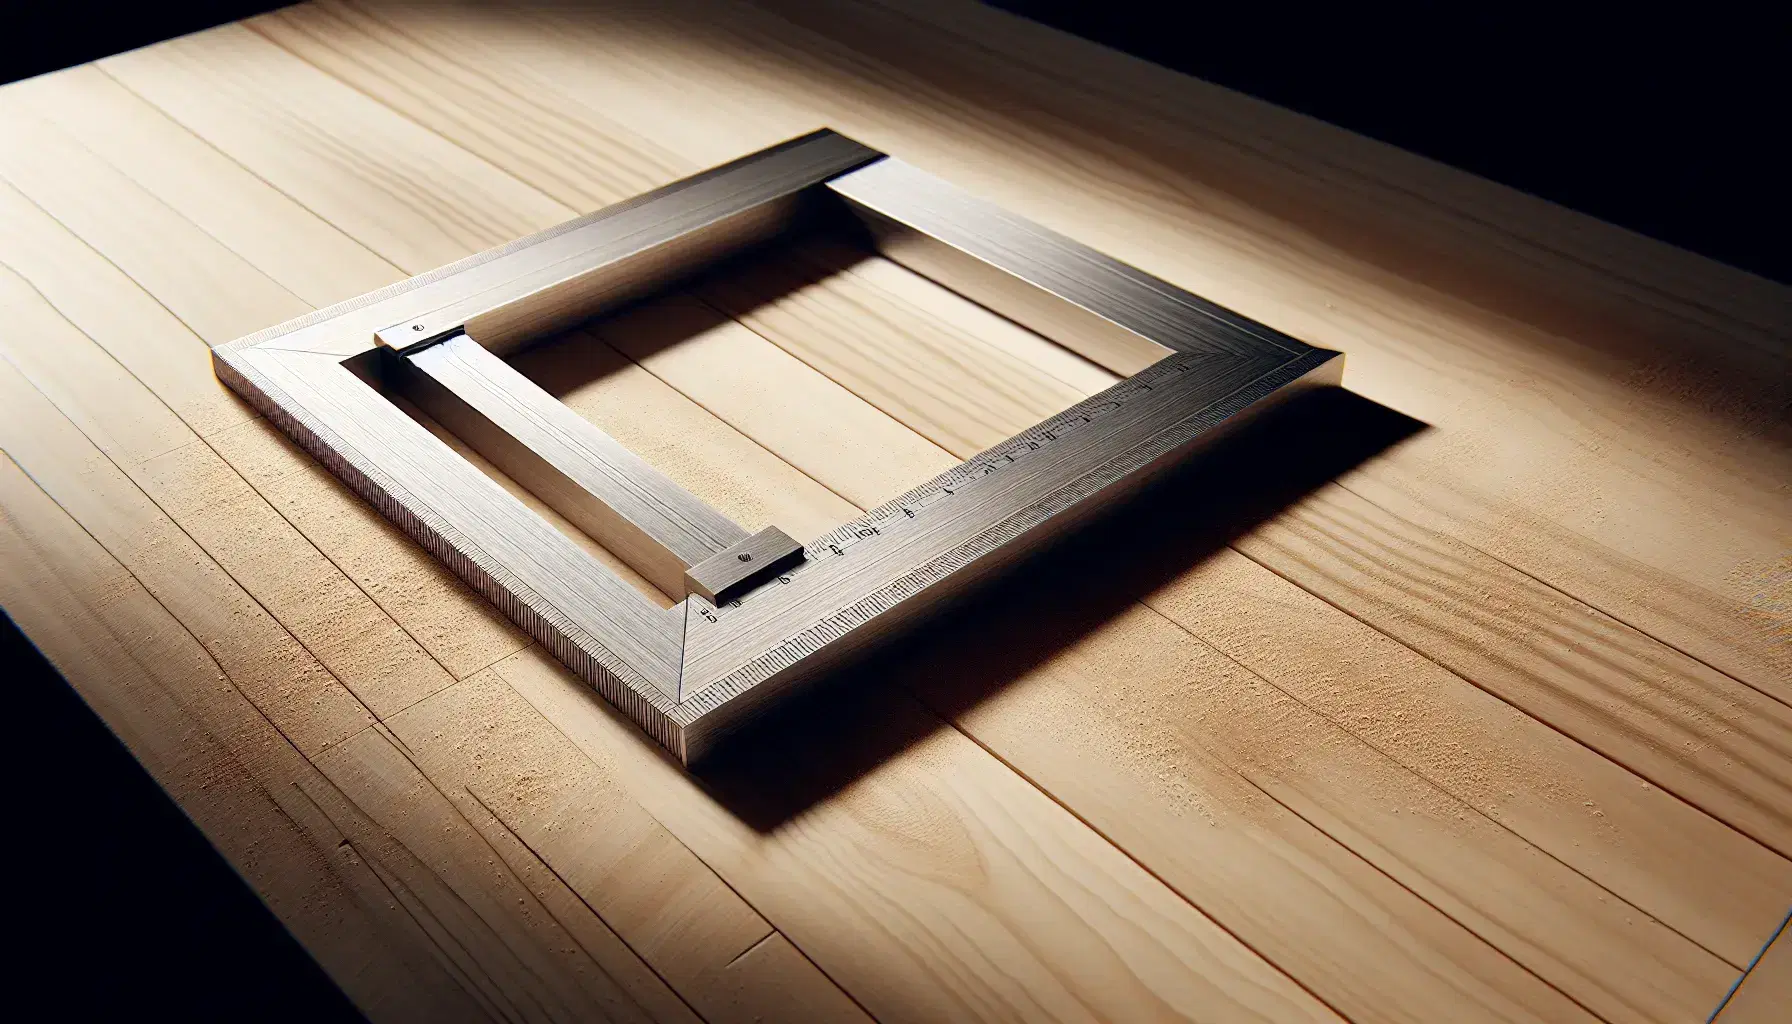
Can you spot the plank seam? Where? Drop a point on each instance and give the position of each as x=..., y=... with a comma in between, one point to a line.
x=543, y=861
x=711, y=868
x=303, y=833
x=191, y=429
x=196, y=437
x=1124, y=852
x=498, y=859
x=1570, y=595
x=132, y=482
x=1369, y=625
x=100, y=66
x=1425, y=780
x=1750, y=969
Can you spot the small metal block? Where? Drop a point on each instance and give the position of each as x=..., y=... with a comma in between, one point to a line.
x=727, y=573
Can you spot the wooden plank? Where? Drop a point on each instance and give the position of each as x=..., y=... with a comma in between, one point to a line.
x=1500, y=997
x=692, y=346
x=217, y=295
x=1375, y=886
x=298, y=695
x=168, y=358
x=1764, y=993
x=1442, y=848
x=349, y=635
x=436, y=205
x=1193, y=940
x=1653, y=875
x=944, y=383
x=229, y=769
x=367, y=767
x=1657, y=371
x=1468, y=222
x=631, y=96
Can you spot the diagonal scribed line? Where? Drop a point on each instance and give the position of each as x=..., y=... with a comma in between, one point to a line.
x=742, y=955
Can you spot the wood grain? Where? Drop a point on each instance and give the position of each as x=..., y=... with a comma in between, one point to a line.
x=1468, y=237
x=1724, y=935
x=1194, y=940
x=1466, y=951
x=500, y=759
x=628, y=92
x=214, y=193
x=300, y=132
x=213, y=751
x=977, y=866
x=335, y=622
x=1630, y=836
x=946, y=384
x=1621, y=692
x=694, y=348
x=1602, y=489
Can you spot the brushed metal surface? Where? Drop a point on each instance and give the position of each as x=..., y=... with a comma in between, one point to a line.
x=638, y=513
x=650, y=244
x=725, y=575
x=1110, y=313
x=692, y=674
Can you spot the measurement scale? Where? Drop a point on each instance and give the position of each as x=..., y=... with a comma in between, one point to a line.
x=761, y=614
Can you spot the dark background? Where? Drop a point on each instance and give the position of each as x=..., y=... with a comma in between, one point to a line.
x=1667, y=119
x=1664, y=125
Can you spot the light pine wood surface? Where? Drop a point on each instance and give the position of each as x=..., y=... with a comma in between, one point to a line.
x=1490, y=721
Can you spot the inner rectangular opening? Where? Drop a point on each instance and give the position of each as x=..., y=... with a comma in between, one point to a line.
x=807, y=381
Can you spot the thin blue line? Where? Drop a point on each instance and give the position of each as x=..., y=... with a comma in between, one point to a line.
x=1740, y=978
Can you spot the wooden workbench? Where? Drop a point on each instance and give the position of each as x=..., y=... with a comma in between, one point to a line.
x=1491, y=720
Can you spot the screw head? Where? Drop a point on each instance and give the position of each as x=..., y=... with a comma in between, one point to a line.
x=743, y=556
